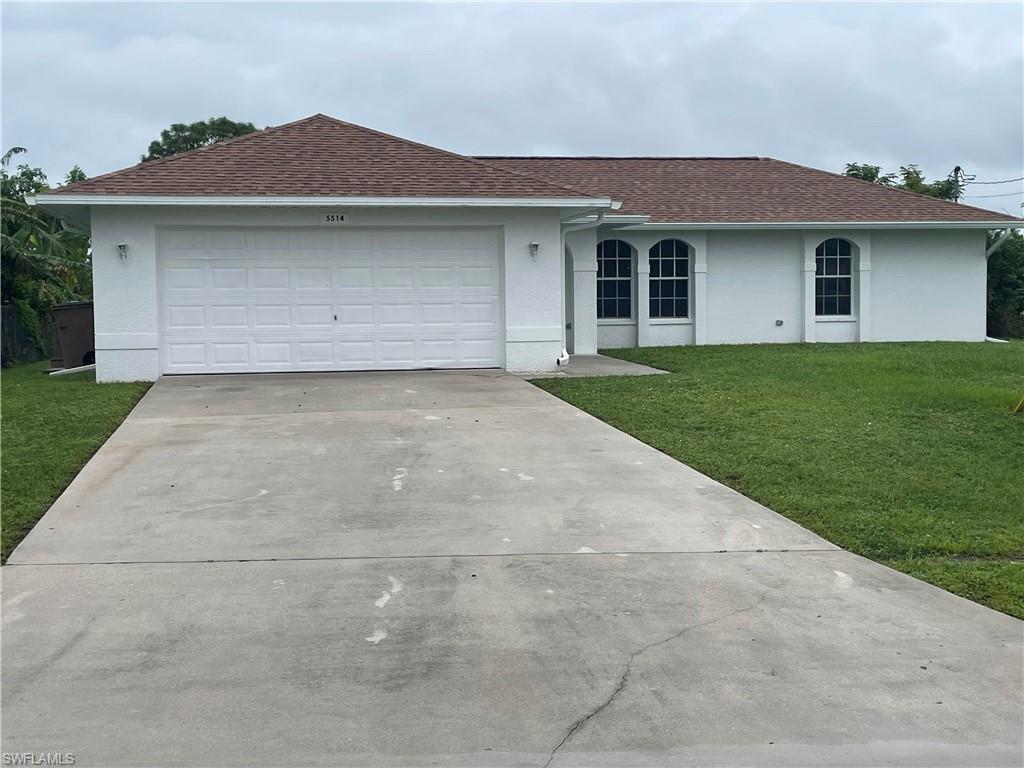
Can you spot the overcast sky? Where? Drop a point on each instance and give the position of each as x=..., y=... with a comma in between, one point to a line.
x=820, y=84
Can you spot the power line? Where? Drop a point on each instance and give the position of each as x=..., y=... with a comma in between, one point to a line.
x=1004, y=181
x=1005, y=195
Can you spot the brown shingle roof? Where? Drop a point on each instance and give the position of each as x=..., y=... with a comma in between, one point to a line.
x=740, y=189
x=320, y=156
x=323, y=156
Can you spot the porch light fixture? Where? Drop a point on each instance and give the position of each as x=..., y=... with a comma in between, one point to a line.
x=122, y=251
x=534, y=247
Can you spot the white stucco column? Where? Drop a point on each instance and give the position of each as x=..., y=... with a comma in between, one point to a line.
x=699, y=298
x=643, y=295
x=811, y=240
x=863, y=287
x=583, y=245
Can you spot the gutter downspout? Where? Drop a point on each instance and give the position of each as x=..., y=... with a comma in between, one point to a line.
x=988, y=253
x=999, y=241
x=563, y=358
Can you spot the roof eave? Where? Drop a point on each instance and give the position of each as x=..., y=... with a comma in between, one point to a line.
x=319, y=201
x=992, y=224
x=610, y=219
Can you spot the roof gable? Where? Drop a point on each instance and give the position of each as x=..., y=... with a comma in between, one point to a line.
x=741, y=190
x=320, y=156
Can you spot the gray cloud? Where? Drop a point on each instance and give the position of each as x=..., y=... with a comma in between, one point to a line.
x=933, y=84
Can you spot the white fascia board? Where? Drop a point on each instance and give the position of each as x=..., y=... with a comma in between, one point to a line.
x=274, y=201
x=829, y=225
x=611, y=219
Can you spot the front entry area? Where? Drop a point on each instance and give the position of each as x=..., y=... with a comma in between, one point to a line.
x=235, y=300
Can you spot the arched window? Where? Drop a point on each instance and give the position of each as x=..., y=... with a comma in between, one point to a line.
x=670, y=279
x=614, y=279
x=833, y=278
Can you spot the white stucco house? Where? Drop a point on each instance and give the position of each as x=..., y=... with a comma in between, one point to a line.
x=324, y=246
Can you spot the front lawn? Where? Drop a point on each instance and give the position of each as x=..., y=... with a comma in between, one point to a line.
x=50, y=426
x=906, y=453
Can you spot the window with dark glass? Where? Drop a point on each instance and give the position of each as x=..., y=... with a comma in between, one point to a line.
x=833, y=278
x=670, y=279
x=614, y=279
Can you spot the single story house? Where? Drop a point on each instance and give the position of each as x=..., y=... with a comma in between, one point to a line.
x=325, y=246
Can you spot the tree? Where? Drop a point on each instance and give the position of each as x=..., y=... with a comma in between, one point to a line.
x=75, y=175
x=181, y=137
x=910, y=178
x=872, y=173
x=1006, y=287
x=43, y=264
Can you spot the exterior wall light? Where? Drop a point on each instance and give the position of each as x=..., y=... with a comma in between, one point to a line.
x=122, y=251
x=534, y=247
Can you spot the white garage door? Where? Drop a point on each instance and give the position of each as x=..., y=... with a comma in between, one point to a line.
x=328, y=299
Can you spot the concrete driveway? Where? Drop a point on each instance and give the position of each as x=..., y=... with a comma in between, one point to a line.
x=459, y=569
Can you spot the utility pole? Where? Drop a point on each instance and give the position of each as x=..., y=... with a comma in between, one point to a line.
x=959, y=180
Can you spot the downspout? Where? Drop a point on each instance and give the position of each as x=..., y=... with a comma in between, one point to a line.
x=988, y=253
x=999, y=241
x=563, y=358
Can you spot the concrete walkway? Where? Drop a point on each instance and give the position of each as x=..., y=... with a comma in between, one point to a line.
x=459, y=569
x=580, y=366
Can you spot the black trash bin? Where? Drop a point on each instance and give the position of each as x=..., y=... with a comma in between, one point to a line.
x=75, y=334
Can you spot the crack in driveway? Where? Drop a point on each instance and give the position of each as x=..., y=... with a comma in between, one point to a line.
x=629, y=668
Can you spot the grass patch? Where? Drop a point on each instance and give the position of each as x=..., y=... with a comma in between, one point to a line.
x=50, y=427
x=906, y=453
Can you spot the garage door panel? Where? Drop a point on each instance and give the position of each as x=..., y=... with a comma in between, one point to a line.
x=273, y=278
x=436, y=277
x=437, y=314
x=314, y=315
x=394, y=277
x=186, y=317
x=316, y=351
x=478, y=313
x=184, y=277
x=438, y=351
x=354, y=277
x=350, y=315
x=185, y=354
x=229, y=353
x=229, y=278
x=263, y=240
x=478, y=277
x=477, y=351
x=274, y=353
x=355, y=352
x=396, y=314
x=397, y=350
x=313, y=278
x=272, y=316
x=229, y=316
x=274, y=300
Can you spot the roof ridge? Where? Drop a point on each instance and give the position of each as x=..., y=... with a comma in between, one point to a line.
x=873, y=185
x=186, y=153
x=619, y=157
x=455, y=155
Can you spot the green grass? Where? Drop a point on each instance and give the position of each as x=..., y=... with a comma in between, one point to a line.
x=50, y=426
x=906, y=453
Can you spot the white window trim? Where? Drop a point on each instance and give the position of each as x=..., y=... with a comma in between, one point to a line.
x=631, y=320
x=689, y=287
x=854, y=257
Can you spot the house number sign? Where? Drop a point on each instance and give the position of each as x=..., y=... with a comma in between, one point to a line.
x=332, y=218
